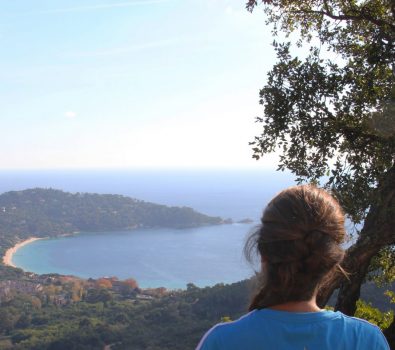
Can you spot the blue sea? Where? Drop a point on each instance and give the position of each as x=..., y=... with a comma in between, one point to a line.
x=155, y=257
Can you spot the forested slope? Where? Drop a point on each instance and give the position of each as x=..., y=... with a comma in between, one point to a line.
x=48, y=212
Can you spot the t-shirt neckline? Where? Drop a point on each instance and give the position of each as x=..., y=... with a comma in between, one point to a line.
x=288, y=316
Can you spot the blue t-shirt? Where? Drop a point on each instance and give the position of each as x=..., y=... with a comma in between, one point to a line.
x=269, y=329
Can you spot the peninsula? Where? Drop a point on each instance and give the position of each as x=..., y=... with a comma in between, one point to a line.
x=43, y=213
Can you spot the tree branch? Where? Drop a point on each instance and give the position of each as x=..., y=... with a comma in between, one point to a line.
x=344, y=17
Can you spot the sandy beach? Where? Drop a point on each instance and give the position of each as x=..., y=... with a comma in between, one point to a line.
x=7, y=258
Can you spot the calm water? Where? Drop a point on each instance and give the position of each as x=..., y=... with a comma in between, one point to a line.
x=160, y=257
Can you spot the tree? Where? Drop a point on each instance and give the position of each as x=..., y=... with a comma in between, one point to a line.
x=103, y=283
x=131, y=282
x=330, y=115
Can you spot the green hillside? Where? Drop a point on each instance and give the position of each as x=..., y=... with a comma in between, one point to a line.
x=48, y=212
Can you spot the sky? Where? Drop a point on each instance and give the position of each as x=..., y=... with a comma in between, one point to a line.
x=125, y=84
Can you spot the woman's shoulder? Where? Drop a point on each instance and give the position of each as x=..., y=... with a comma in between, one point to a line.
x=360, y=324
x=367, y=332
x=212, y=338
x=230, y=326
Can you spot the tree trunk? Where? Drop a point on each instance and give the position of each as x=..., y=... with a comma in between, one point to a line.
x=357, y=266
x=378, y=232
x=390, y=334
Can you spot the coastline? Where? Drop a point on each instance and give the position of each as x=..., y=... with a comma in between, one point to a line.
x=7, y=258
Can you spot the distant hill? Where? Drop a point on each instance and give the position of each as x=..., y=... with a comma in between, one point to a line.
x=49, y=212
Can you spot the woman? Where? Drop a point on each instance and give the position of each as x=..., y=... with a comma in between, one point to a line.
x=299, y=243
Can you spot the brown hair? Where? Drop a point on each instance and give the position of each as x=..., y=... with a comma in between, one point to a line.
x=299, y=240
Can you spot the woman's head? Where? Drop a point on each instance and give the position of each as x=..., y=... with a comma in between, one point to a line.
x=299, y=241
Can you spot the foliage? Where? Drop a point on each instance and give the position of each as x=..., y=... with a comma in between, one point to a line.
x=382, y=269
x=131, y=282
x=374, y=315
x=390, y=295
x=103, y=283
x=225, y=319
x=323, y=112
x=176, y=320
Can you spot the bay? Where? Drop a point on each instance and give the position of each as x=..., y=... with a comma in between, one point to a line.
x=155, y=257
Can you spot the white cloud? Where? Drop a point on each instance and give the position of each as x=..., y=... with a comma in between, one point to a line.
x=70, y=114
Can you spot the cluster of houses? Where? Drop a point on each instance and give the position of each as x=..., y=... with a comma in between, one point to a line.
x=8, y=288
x=63, y=290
